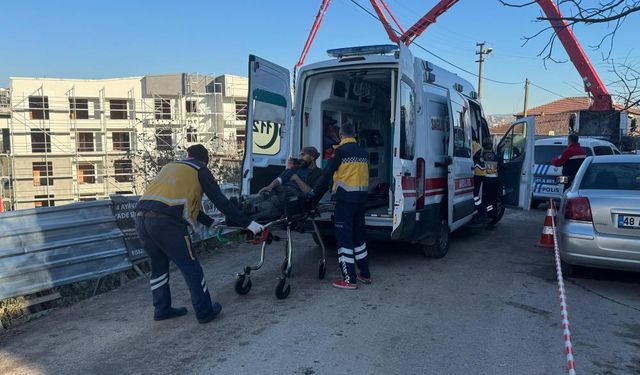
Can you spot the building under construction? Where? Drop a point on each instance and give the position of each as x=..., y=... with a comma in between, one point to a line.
x=66, y=140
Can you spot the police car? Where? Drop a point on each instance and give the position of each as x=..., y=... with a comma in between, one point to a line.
x=544, y=174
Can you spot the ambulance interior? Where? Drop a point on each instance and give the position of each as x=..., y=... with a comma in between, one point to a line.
x=362, y=97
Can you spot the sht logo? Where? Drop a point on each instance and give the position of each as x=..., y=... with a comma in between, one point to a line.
x=266, y=137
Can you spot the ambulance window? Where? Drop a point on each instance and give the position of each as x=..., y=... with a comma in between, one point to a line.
x=407, y=121
x=269, y=113
x=461, y=131
x=513, y=144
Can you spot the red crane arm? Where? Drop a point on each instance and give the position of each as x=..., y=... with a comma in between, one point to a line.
x=592, y=83
x=312, y=34
x=427, y=20
x=385, y=23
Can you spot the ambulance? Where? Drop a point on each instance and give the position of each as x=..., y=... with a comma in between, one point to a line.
x=416, y=120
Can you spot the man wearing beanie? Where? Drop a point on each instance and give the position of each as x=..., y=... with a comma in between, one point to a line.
x=171, y=203
x=302, y=177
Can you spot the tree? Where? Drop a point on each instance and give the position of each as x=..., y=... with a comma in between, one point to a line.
x=612, y=13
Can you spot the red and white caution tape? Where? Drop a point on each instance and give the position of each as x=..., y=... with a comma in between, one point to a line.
x=564, y=314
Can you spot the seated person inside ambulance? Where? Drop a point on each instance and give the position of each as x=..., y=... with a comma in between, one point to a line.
x=288, y=189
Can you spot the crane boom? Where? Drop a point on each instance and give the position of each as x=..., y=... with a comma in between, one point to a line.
x=601, y=100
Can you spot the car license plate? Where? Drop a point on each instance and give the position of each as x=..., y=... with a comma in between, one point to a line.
x=625, y=221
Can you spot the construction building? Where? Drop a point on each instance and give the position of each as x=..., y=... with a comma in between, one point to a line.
x=67, y=140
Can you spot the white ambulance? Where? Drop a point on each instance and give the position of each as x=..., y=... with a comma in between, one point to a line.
x=416, y=120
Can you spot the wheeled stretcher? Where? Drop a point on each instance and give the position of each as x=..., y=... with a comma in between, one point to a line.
x=293, y=213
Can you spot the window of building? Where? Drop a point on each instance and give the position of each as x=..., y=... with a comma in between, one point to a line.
x=125, y=192
x=407, y=122
x=164, y=139
x=192, y=134
x=40, y=140
x=123, y=170
x=241, y=111
x=78, y=109
x=86, y=173
x=191, y=106
x=121, y=141
x=86, y=142
x=240, y=138
x=162, y=109
x=6, y=141
x=87, y=197
x=45, y=200
x=39, y=107
x=118, y=109
x=42, y=173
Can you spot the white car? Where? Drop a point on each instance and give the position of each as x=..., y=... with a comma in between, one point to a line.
x=544, y=174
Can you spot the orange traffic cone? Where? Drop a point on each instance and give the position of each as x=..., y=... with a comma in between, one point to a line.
x=546, y=238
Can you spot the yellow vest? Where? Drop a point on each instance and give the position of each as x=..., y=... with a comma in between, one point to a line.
x=176, y=185
x=353, y=172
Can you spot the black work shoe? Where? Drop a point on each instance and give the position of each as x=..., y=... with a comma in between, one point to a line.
x=216, y=308
x=173, y=312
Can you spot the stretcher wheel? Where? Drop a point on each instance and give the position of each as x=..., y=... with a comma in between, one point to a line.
x=322, y=269
x=243, y=284
x=282, y=291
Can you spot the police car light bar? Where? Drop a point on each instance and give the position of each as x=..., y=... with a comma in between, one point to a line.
x=381, y=49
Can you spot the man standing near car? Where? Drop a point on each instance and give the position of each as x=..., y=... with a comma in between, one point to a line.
x=349, y=169
x=571, y=158
x=171, y=203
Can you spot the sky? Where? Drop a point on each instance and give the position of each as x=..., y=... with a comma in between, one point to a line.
x=84, y=39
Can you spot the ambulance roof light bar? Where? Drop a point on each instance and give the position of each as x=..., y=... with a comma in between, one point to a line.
x=381, y=49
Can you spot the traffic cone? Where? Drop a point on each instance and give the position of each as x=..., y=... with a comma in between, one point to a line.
x=546, y=238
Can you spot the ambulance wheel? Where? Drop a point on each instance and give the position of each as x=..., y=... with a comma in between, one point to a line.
x=440, y=246
x=282, y=292
x=322, y=269
x=243, y=284
x=500, y=209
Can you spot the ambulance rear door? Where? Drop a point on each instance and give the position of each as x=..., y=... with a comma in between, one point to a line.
x=515, y=167
x=268, y=129
x=404, y=141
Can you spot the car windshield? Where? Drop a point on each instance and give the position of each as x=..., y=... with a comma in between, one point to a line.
x=612, y=176
x=602, y=150
x=544, y=154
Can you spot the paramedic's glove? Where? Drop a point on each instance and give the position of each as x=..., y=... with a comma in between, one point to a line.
x=255, y=228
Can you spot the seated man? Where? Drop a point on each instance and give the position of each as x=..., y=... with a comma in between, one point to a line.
x=286, y=191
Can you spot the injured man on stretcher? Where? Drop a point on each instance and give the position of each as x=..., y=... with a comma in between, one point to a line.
x=286, y=192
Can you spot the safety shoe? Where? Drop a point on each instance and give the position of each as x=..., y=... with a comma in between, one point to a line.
x=173, y=312
x=215, y=310
x=364, y=280
x=341, y=284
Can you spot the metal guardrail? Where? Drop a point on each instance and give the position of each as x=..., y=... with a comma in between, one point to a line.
x=42, y=248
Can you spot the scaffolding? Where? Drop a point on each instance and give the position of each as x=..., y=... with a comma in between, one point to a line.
x=84, y=147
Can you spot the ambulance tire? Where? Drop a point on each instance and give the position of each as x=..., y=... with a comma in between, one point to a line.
x=440, y=247
x=500, y=211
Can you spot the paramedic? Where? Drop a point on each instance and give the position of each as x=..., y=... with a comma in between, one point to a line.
x=169, y=205
x=479, y=171
x=571, y=158
x=349, y=170
x=490, y=188
x=299, y=178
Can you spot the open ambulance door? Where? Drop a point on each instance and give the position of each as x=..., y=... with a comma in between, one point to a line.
x=515, y=156
x=404, y=136
x=268, y=130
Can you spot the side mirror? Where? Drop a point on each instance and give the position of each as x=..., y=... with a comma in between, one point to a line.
x=562, y=179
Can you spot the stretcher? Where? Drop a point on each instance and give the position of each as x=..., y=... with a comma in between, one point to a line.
x=296, y=217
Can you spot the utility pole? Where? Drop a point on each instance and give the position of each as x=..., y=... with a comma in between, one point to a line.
x=526, y=96
x=481, y=53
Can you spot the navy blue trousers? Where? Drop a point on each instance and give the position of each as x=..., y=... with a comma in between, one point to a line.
x=350, y=231
x=166, y=239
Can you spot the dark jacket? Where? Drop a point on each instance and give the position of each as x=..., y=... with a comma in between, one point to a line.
x=349, y=170
x=177, y=191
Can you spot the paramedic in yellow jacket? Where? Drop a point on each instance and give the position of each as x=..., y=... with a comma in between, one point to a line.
x=170, y=204
x=349, y=170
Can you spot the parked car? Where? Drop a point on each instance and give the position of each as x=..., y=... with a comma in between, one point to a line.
x=544, y=174
x=599, y=216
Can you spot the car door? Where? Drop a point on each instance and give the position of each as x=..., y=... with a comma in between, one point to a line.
x=404, y=140
x=460, y=172
x=268, y=129
x=515, y=155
